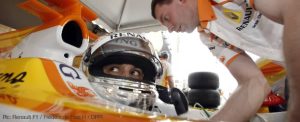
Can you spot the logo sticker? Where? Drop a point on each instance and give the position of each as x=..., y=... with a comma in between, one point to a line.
x=233, y=15
x=81, y=90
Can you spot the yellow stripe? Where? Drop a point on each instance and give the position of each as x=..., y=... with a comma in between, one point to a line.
x=55, y=78
x=13, y=38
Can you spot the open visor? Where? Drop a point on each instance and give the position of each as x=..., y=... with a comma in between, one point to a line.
x=147, y=63
x=127, y=50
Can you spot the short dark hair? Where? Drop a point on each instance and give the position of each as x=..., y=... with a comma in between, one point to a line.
x=158, y=2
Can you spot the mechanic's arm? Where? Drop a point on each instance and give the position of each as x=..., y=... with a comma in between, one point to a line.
x=170, y=75
x=287, y=13
x=250, y=93
x=291, y=46
x=170, y=81
x=252, y=85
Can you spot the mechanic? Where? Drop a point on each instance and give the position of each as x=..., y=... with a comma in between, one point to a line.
x=167, y=77
x=166, y=81
x=231, y=27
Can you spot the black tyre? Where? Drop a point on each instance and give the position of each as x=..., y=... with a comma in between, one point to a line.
x=207, y=98
x=203, y=80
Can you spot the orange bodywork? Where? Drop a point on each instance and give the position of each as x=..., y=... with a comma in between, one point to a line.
x=57, y=12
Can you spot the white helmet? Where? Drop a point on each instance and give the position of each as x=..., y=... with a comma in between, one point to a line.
x=121, y=48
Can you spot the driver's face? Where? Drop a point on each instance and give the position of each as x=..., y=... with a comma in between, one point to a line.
x=124, y=70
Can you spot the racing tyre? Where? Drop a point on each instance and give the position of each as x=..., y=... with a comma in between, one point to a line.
x=207, y=98
x=203, y=80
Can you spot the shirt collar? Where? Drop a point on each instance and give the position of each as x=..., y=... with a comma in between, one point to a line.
x=205, y=13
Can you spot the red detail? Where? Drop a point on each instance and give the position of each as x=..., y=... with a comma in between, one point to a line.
x=273, y=100
x=81, y=91
x=8, y=97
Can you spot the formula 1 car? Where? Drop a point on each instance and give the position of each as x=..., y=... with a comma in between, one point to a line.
x=38, y=81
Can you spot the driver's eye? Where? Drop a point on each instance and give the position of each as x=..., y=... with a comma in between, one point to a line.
x=136, y=73
x=114, y=69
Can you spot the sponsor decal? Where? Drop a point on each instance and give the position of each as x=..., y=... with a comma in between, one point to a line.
x=10, y=81
x=117, y=35
x=12, y=78
x=9, y=98
x=135, y=43
x=76, y=81
x=81, y=91
x=247, y=17
x=69, y=71
x=219, y=42
x=257, y=20
x=233, y=15
x=225, y=44
x=127, y=42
